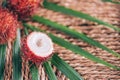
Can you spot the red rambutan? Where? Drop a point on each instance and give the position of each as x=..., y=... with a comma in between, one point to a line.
x=37, y=47
x=24, y=8
x=8, y=26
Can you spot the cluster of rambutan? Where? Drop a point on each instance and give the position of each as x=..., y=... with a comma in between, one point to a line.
x=37, y=46
x=8, y=26
x=23, y=8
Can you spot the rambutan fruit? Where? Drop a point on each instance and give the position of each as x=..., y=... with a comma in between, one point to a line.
x=37, y=47
x=24, y=8
x=8, y=26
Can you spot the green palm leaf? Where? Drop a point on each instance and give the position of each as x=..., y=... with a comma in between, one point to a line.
x=68, y=11
x=65, y=68
x=4, y=3
x=2, y=61
x=74, y=48
x=17, y=61
x=80, y=51
x=34, y=72
x=112, y=1
x=73, y=33
x=49, y=71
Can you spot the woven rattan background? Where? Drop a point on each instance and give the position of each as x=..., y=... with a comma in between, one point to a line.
x=89, y=70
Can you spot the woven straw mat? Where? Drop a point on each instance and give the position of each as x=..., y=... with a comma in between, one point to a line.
x=89, y=70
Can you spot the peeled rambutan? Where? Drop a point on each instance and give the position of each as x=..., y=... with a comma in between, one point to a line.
x=24, y=8
x=37, y=47
x=8, y=26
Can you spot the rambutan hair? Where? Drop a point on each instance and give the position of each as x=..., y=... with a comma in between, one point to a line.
x=8, y=26
x=24, y=8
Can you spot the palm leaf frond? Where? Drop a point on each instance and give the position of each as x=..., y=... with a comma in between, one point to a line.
x=74, y=48
x=68, y=11
x=65, y=68
x=49, y=71
x=17, y=61
x=112, y=1
x=73, y=33
x=34, y=72
x=2, y=61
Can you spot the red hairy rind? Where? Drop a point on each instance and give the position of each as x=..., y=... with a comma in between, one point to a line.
x=24, y=8
x=29, y=55
x=8, y=26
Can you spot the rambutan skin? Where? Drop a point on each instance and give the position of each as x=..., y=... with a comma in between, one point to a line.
x=24, y=8
x=8, y=26
x=29, y=55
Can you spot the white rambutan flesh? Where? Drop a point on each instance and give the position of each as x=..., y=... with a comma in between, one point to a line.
x=37, y=47
x=40, y=44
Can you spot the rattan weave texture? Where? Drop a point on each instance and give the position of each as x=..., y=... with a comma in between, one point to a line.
x=89, y=70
